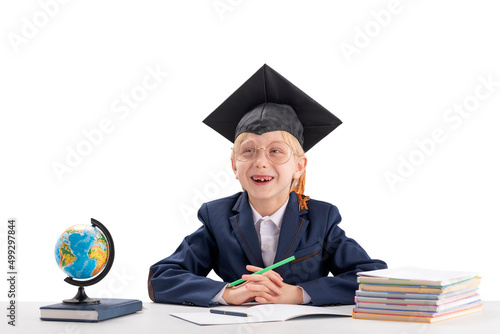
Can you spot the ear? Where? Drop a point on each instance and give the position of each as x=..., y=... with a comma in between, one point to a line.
x=301, y=167
x=233, y=166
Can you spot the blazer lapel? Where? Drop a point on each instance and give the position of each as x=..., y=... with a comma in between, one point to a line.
x=244, y=229
x=293, y=229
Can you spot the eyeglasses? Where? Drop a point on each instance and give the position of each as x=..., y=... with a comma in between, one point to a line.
x=277, y=152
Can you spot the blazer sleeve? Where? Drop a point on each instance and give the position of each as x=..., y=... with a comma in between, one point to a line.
x=343, y=257
x=181, y=277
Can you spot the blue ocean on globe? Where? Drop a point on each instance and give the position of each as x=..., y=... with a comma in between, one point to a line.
x=81, y=251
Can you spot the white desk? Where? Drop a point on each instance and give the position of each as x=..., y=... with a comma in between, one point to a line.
x=155, y=318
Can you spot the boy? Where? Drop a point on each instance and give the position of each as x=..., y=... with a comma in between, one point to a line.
x=272, y=124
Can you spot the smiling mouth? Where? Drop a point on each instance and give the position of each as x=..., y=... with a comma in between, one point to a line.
x=262, y=179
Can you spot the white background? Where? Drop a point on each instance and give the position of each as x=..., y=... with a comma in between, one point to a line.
x=66, y=67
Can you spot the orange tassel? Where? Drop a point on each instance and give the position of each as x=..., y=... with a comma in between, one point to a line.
x=299, y=191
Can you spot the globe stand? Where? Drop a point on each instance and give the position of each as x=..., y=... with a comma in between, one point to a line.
x=81, y=297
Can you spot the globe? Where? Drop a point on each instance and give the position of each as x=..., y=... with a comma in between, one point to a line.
x=82, y=251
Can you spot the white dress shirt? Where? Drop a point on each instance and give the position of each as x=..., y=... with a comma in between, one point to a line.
x=268, y=229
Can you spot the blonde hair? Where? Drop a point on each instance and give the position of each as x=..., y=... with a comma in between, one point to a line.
x=296, y=185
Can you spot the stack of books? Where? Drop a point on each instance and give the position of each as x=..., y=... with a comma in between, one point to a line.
x=416, y=295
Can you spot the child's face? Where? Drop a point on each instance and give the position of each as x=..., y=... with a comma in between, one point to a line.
x=264, y=180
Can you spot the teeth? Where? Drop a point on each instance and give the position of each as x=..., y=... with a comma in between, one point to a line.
x=262, y=179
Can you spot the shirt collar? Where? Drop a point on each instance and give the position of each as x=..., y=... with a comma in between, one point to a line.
x=276, y=218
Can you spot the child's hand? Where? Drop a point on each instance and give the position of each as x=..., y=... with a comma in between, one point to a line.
x=263, y=288
x=288, y=294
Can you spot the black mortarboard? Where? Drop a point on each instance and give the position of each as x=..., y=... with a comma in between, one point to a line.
x=269, y=102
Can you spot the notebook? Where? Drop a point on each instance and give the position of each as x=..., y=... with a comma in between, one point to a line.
x=263, y=313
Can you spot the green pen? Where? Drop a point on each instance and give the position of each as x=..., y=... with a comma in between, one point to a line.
x=271, y=267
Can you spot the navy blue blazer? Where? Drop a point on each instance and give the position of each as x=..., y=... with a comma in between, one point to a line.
x=227, y=242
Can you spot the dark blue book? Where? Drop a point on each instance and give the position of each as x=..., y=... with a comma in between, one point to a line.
x=107, y=309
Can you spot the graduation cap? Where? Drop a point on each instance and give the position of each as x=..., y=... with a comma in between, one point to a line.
x=269, y=102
